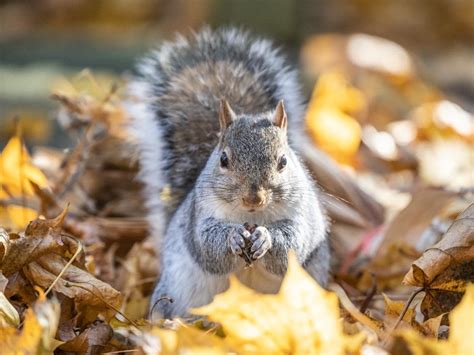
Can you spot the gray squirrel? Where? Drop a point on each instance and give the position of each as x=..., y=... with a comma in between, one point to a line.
x=217, y=116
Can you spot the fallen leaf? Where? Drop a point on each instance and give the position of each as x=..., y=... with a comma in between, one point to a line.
x=460, y=339
x=301, y=318
x=75, y=283
x=447, y=289
x=456, y=246
x=26, y=341
x=328, y=118
x=91, y=340
x=18, y=250
x=185, y=339
x=395, y=308
x=16, y=175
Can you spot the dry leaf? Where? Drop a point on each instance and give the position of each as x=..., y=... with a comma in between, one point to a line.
x=16, y=174
x=17, y=251
x=75, y=283
x=447, y=289
x=41, y=237
x=185, y=339
x=26, y=341
x=455, y=247
x=395, y=308
x=328, y=118
x=460, y=339
x=91, y=340
x=302, y=318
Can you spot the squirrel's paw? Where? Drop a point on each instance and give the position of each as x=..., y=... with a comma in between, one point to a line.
x=261, y=242
x=237, y=237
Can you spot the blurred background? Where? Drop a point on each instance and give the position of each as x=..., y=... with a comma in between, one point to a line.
x=44, y=41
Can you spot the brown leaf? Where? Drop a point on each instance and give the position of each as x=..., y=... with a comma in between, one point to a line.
x=430, y=328
x=16, y=251
x=456, y=247
x=20, y=288
x=91, y=340
x=75, y=282
x=446, y=290
x=41, y=227
x=437, y=302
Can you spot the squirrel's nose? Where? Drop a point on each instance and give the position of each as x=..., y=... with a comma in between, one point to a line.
x=254, y=199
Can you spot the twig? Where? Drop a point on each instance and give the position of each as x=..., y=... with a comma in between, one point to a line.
x=78, y=251
x=76, y=284
x=370, y=295
x=380, y=298
x=407, y=305
x=247, y=258
x=167, y=298
x=353, y=311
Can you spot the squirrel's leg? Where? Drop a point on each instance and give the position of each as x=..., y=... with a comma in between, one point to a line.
x=314, y=256
x=183, y=284
x=318, y=263
x=283, y=236
x=217, y=245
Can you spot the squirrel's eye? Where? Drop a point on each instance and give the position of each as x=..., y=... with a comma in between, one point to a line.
x=282, y=163
x=224, y=160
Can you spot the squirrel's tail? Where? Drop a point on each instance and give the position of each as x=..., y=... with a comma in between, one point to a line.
x=173, y=104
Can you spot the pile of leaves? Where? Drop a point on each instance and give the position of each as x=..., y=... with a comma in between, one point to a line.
x=77, y=264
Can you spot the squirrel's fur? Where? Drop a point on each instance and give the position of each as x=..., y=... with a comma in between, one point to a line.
x=174, y=105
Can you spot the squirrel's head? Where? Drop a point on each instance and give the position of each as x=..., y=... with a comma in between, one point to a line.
x=254, y=160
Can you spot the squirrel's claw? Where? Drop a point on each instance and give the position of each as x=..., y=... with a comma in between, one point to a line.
x=261, y=242
x=237, y=239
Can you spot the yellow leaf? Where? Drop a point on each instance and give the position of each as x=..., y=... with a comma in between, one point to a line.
x=461, y=319
x=20, y=216
x=335, y=132
x=461, y=338
x=329, y=119
x=333, y=90
x=395, y=308
x=25, y=341
x=184, y=340
x=302, y=318
x=96, y=85
x=16, y=172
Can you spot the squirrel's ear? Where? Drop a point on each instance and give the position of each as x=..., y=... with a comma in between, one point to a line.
x=226, y=115
x=279, y=117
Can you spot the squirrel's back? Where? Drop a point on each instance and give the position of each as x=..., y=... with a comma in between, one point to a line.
x=174, y=102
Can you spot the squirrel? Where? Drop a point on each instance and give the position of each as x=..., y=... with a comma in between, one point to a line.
x=217, y=116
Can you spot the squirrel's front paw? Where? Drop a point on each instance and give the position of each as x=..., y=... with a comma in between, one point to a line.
x=261, y=242
x=237, y=237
